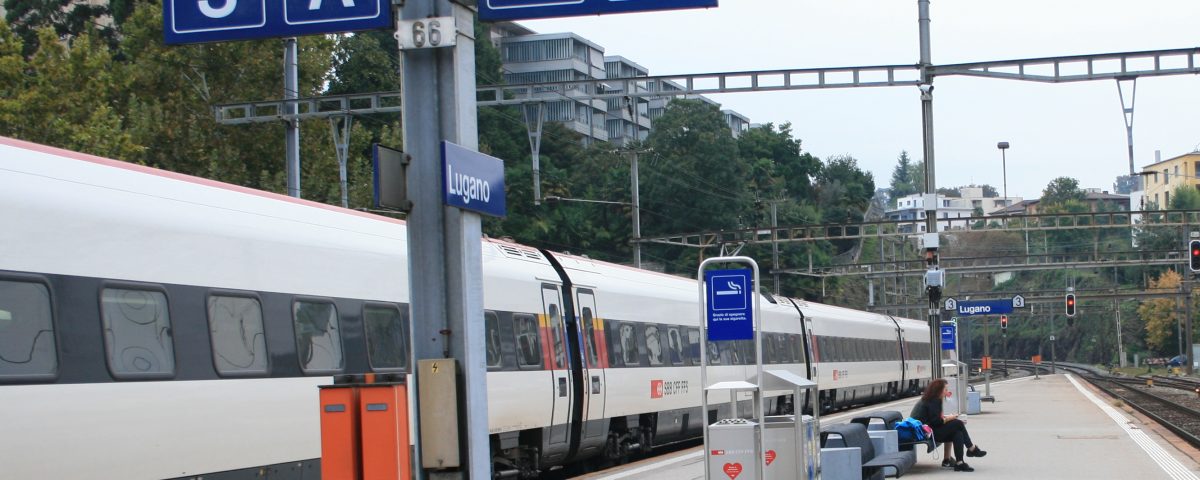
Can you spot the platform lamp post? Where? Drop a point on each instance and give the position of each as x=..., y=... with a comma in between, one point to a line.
x=1004, y=169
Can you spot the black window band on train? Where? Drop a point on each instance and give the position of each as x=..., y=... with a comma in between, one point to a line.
x=27, y=342
x=137, y=331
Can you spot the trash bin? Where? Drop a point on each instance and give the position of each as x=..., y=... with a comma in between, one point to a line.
x=973, y=403
x=731, y=445
x=780, y=442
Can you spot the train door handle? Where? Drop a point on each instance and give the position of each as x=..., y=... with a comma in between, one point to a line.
x=595, y=384
x=562, y=386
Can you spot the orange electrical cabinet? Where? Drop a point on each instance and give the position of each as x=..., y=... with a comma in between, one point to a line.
x=383, y=408
x=340, y=433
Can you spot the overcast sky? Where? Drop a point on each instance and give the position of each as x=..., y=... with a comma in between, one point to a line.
x=1071, y=129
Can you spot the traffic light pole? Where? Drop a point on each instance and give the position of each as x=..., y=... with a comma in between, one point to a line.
x=1187, y=324
x=987, y=372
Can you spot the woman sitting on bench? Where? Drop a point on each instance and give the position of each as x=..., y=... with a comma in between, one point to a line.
x=946, y=428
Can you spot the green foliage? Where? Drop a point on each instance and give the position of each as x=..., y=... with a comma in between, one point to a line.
x=907, y=178
x=1062, y=190
x=844, y=190
x=64, y=19
x=1185, y=197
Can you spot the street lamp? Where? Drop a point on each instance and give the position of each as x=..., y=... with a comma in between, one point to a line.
x=1004, y=166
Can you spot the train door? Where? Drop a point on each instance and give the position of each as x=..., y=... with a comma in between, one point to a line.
x=556, y=356
x=596, y=357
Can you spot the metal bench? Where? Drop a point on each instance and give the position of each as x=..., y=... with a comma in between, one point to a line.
x=854, y=435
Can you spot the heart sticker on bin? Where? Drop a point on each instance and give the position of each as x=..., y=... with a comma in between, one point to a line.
x=770, y=456
x=732, y=469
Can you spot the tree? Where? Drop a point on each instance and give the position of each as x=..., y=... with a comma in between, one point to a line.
x=907, y=178
x=65, y=18
x=778, y=166
x=1159, y=313
x=1185, y=197
x=1062, y=190
x=844, y=190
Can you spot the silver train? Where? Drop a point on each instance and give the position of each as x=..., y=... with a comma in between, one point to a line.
x=155, y=325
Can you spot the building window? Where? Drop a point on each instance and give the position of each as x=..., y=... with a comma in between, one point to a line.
x=137, y=333
x=1166, y=200
x=235, y=325
x=26, y=331
x=318, y=337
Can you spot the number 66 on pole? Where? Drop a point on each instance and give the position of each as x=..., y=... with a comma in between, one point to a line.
x=431, y=32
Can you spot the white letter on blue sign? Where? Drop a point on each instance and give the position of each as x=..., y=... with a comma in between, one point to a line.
x=222, y=12
x=316, y=4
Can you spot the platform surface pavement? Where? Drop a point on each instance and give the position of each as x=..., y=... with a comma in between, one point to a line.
x=1037, y=429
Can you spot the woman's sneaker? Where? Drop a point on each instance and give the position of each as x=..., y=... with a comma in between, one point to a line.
x=977, y=452
x=963, y=467
x=947, y=463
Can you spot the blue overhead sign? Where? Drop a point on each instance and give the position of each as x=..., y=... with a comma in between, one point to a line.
x=492, y=10
x=984, y=307
x=948, y=334
x=197, y=21
x=472, y=180
x=730, y=311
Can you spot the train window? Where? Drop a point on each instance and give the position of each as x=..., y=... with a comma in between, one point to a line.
x=714, y=353
x=26, y=331
x=137, y=333
x=491, y=325
x=797, y=348
x=693, y=350
x=550, y=301
x=589, y=334
x=235, y=325
x=675, y=345
x=529, y=349
x=387, y=337
x=318, y=336
x=629, y=349
x=556, y=337
x=653, y=345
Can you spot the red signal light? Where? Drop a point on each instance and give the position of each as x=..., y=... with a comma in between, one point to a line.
x=1070, y=307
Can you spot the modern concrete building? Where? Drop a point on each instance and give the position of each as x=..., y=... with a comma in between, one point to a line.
x=628, y=118
x=530, y=57
x=558, y=57
x=1160, y=179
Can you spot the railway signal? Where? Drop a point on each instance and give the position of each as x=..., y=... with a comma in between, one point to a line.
x=1070, y=305
x=1194, y=255
x=1004, y=323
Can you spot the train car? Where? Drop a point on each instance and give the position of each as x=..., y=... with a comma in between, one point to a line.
x=156, y=325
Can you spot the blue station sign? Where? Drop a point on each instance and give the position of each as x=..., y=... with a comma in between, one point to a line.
x=492, y=10
x=197, y=21
x=730, y=313
x=948, y=334
x=984, y=307
x=472, y=180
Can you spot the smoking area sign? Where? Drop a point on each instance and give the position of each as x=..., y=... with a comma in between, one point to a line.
x=730, y=315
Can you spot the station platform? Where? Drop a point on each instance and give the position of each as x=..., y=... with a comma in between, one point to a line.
x=1053, y=427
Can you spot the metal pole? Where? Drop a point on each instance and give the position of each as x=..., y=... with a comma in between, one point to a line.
x=987, y=373
x=534, y=130
x=1053, y=341
x=291, y=136
x=1187, y=318
x=775, y=246
x=1127, y=115
x=637, y=212
x=444, y=243
x=341, y=145
x=926, y=88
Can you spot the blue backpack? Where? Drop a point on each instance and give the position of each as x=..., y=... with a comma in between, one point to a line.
x=910, y=430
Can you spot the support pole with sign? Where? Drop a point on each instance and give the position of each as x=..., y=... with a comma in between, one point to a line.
x=444, y=242
x=730, y=307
